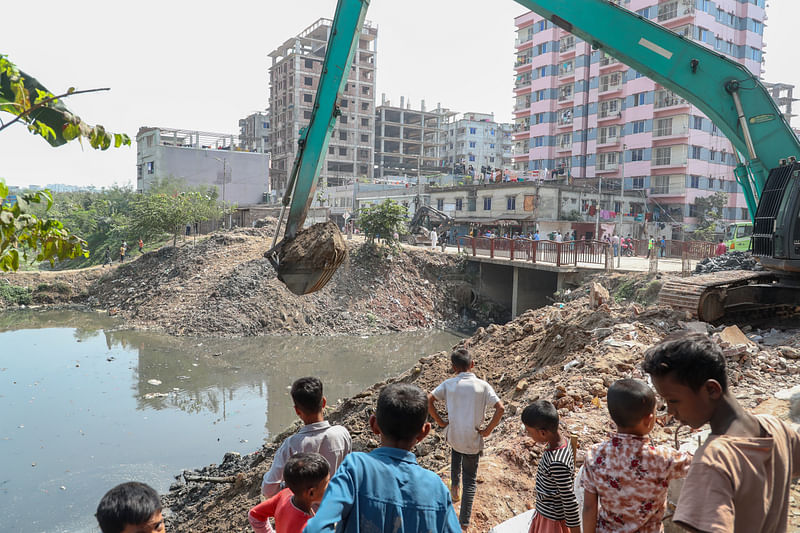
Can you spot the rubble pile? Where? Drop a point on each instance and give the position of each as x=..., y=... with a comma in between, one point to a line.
x=730, y=261
x=224, y=286
x=568, y=353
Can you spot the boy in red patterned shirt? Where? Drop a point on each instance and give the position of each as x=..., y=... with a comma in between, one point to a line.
x=627, y=473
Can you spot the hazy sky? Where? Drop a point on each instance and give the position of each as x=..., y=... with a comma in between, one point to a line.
x=203, y=65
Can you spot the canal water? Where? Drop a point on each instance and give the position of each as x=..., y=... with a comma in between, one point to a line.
x=86, y=404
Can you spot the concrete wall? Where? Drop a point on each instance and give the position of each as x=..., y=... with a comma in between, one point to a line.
x=247, y=173
x=515, y=288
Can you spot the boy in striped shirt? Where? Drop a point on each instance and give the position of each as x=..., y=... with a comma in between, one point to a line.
x=556, y=505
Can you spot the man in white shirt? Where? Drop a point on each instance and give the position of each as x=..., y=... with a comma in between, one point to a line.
x=467, y=398
x=434, y=238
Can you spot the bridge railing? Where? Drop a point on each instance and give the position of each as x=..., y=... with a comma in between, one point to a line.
x=556, y=253
x=695, y=250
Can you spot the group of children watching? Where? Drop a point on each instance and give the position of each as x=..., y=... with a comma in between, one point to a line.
x=738, y=480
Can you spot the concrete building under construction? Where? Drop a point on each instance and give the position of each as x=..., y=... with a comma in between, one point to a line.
x=293, y=80
x=408, y=141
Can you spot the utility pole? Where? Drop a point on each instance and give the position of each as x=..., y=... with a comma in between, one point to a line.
x=597, y=209
x=621, y=210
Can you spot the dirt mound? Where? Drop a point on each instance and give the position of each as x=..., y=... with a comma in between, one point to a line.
x=223, y=285
x=568, y=353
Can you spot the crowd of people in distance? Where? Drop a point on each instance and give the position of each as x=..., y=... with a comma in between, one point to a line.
x=738, y=480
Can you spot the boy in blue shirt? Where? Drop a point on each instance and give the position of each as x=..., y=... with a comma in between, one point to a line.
x=386, y=490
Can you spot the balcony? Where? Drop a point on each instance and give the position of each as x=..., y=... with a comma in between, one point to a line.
x=676, y=9
x=668, y=161
x=670, y=132
x=564, y=147
x=565, y=96
x=566, y=45
x=607, y=141
x=604, y=167
x=666, y=190
x=667, y=99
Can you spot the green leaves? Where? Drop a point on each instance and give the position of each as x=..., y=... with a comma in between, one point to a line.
x=383, y=220
x=45, y=114
x=25, y=236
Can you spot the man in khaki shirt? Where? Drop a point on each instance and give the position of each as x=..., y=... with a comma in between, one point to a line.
x=739, y=479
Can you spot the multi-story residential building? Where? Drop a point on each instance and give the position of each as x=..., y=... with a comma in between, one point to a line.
x=293, y=79
x=476, y=140
x=408, y=141
x=254, y=132
x=580, y=110
x=205, y=159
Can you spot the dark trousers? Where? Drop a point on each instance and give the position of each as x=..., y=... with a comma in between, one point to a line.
x=467, y=465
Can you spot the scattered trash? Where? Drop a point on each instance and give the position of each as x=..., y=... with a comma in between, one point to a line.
x=155, y=382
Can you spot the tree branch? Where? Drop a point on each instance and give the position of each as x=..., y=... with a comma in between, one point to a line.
x=49, y=100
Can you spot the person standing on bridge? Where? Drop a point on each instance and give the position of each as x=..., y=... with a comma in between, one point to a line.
x=651, y=242
x=721, y=248
x=434, y=238
x=615, y=244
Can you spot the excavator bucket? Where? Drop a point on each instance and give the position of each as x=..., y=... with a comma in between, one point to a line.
x=306, y=263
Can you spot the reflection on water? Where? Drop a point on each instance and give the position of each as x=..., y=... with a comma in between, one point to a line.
x=87, y=405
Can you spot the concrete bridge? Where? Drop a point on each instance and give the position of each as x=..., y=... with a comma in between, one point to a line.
x=522, y=274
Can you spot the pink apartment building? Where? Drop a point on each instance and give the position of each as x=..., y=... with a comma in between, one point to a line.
x=582, y=111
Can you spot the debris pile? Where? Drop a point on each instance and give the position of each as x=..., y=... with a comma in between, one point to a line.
x=568, y=353
x=224, y=286
x=730, y=261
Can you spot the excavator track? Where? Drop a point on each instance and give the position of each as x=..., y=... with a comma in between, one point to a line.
x=703, y=296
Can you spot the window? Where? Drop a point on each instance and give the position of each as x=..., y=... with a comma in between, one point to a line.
x=538, y=141
x=638, y=183
x=365, y=138
x=342, y=151
x=265, y=124
x=471, y=157
x=637, y=154
x=472, y=144
x=711, y=183
x=309, y=63
x=638, y=99
x=638, y=126
x=713, y=155
x=343, y=118
x=344, y=103
x=365, y=122
x=307, y=80
x=307, y=114
x=151, y=167
x=459, y=204
x=511, y=203
x=696, y=152
x=663, y=156
x=473, y=131
x=331, y=150
x=365, y=89
x=487, y=203
x=342, y=135
x=440, y=204
x=149, y=141
x=308, y=97
x=694, y=182
x=364, y=106
x=697, y=123
x=491, y=146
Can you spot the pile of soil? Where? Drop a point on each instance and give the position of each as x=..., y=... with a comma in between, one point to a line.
x=224, y=285
x=730, y=261
x=568, y=353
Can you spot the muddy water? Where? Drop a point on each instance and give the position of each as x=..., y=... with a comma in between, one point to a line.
x=85, y=405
